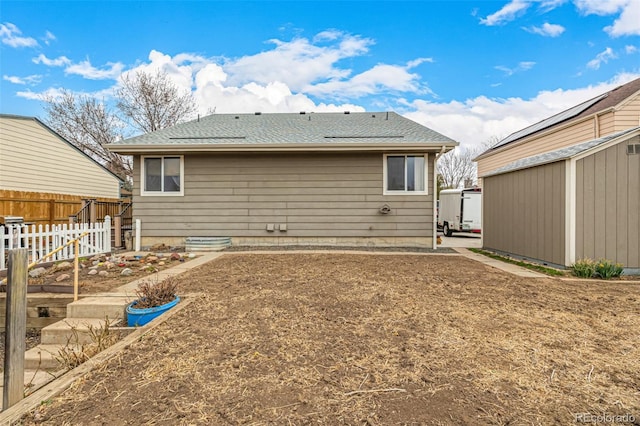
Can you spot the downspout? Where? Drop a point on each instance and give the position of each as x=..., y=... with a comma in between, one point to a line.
x=435, y=197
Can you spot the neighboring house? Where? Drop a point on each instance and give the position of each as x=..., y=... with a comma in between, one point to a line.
x=288, y=179
x=603, y=115
x=43, y=177
x=578, y=202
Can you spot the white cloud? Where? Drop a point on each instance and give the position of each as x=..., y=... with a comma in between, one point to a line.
x=522, y=66
x=486, y=118
x=48, y=37
x=57, y=62
x=546, y=30
x=88, y=71
x=30, y=79
x=299, y=62
x=547, y=5
x=11, y=36
x=508, y=13
x=600, y=7
x=629, y=49
x=602, y=57
x=628, y=21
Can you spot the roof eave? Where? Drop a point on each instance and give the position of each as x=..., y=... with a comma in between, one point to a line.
x=282, y=147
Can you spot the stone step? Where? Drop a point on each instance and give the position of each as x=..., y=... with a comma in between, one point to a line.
x=102, y=306
x=45, y=357
x=73, y=330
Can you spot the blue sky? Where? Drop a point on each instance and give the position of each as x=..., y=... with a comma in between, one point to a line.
x=472, y=70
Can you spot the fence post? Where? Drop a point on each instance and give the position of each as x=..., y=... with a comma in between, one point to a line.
x=107, y=234
x=117, y=230
x=137, y=247
x=15, y=328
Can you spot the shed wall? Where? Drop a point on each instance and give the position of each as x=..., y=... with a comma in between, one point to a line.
x=608, y=205
x=523, y=213
x=316, y=195
x=33, y=159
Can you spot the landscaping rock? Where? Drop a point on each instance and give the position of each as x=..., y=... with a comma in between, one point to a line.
x=126, y=272
x=151, y=259
x=192, y=255
x=93, y=272
x=64, y=266
x=62, y=277
x=109, y=265
x=161, y=263
x=175, y=256
x=37, y=272
x=103, y=273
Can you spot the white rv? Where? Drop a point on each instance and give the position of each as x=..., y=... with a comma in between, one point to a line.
x=460, y=210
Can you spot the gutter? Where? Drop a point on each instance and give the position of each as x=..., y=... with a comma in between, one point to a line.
x=280, y=147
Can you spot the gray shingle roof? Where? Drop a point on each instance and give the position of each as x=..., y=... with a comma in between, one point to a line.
x=309, y=128
x=558, y=155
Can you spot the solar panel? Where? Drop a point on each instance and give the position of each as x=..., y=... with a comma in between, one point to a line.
x=548, y=122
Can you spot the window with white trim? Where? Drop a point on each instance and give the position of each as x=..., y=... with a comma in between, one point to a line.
x=162, y=175
x=405, y=174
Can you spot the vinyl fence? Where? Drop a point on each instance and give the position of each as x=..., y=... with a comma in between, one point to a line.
x=41, y=240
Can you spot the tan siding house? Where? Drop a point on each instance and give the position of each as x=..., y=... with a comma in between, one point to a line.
x=577, y=202
x=288, y=179
x=608, y=113
x=34, y=158
x=43, y=178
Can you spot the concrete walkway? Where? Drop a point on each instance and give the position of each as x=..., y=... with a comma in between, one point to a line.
x=504, y=266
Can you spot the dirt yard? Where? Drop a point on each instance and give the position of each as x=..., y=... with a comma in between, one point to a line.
x=371, y=339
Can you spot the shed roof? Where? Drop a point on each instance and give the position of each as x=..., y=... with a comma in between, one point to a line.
x=560, y=154
x=302, y=130
x=598, y=104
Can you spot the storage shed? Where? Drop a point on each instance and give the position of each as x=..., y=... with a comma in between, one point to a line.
x=581, y=201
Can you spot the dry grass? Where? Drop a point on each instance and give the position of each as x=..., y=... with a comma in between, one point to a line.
x=365, y=339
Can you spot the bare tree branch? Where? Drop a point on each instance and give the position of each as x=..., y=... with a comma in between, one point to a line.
x=145, y=102
x=151, y=102
x=89, y=125
x=457, y=166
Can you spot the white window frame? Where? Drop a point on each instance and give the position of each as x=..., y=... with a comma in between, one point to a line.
x=386, y=191
x=161, y=193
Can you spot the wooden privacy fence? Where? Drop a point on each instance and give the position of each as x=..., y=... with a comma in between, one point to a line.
x=48, y=208
x=41, y=240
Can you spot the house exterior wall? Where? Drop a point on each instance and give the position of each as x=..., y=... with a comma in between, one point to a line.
x=628, y=115
x=323, y=198
x=624, y=116
x=608, y=205
x=33, y=159
x=580, y=132
x=523, y=213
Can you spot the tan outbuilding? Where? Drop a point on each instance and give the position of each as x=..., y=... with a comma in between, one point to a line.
x=568, y=188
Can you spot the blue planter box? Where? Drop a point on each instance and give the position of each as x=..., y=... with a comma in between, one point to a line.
x=139, y=317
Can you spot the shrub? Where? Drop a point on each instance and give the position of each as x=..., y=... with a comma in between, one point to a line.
x=584, y=268
x=151, y=294
x=606, y=269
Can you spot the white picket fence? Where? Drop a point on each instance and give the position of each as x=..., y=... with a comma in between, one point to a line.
x=42, y=240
